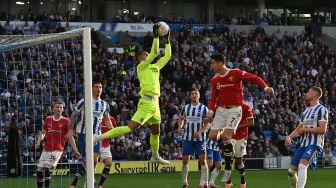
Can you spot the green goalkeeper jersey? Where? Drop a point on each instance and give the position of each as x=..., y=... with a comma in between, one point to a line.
x=149, y=74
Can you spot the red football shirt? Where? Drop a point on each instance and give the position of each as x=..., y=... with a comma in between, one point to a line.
x=242, y=133
x=227, y=90
x=105, y=128
x=56, y=133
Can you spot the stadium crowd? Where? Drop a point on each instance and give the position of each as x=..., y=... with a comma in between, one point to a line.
x=127, y=16
x=291, y=63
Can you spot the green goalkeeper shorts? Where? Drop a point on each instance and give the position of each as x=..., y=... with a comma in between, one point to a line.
x=148, y=111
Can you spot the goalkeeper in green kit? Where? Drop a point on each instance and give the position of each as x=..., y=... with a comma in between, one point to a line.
x=148, y=110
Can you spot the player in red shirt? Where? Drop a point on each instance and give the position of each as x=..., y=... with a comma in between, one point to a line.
x=105, y=152
x=226, y=100
x=56, y=129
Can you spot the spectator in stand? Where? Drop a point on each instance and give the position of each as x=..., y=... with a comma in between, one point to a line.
x=8, y=27
x=35, y=29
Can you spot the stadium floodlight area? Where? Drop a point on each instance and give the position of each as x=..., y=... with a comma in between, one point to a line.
x=34, y=71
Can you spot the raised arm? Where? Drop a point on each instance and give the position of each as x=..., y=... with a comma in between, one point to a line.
x=257, y=80
x=154, y=50
x=165, y=59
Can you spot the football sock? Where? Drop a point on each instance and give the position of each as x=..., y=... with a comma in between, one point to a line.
x=184, y=172
x=302, y=176
x=154, y=142
x=227, y=173
x=78, y=175
x=47, y=178
x=116, y=132
x=214, y=175
x=40, y=178
x=292, y=178
x=241, y=169
x=104, y=175
x=228, y=152
x=204, y=174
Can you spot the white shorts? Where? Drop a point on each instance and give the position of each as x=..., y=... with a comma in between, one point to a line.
x=49, y=159
x=240, y=148
x=227, y=118
x=105, y=153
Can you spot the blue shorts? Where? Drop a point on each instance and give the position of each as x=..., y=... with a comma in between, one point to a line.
x=81, y=145
x=309, y=153
x=214, y=155
x=191, y=147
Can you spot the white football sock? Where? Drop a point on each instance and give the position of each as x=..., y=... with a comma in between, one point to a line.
x=185, y=170
x=214, y=175
x=292, y=178
x=302, y=176
x=204, y=174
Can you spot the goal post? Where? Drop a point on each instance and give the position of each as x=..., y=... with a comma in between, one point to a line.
x=22, y=56
x=88, y=106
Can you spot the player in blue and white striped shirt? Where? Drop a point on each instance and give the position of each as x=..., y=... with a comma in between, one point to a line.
x=311, y=129
x=194, y=137
x=100, y=113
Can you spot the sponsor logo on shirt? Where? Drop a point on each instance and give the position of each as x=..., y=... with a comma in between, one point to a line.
x=223, y=85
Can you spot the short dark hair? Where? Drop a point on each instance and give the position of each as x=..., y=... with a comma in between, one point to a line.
x=97, y=80
x=138, y=54
x=318, y=90
x=218, y=57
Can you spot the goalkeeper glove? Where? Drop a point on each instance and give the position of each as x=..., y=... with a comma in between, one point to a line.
x=156, y=30
x=167, y=37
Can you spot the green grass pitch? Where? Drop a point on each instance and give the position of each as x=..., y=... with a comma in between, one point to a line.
x=320, y=178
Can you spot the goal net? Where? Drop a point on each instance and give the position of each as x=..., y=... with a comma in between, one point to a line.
x=34, y=71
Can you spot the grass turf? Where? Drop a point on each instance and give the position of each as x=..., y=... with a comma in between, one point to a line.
x=320, y=178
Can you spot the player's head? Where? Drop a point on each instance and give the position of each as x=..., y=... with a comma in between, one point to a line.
x=194, y=95
x=217, y=61
x=142, y=56
x=97, y=88
x=58, y=107
x=314, y=93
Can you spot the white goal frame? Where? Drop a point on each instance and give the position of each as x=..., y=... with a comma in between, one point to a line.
x=16, y=42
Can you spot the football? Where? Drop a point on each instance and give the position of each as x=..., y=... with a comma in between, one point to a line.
x=163, y=29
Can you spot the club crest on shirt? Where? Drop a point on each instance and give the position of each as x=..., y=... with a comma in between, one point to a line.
x=231, y=78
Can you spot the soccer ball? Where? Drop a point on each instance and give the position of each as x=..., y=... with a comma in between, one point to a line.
x=163, y=29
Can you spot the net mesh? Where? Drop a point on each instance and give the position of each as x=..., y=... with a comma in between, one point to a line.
x=34, y=71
